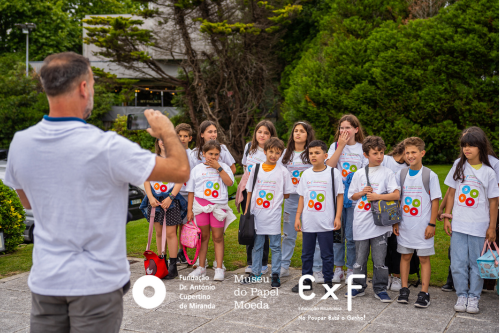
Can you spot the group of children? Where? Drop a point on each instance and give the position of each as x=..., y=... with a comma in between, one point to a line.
x=328, y=196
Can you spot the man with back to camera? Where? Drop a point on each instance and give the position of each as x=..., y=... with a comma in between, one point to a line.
x=75, y=178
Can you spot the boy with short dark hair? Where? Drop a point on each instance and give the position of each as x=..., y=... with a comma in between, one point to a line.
x=274, y=183
x=319, y=217
x=365, y=233
x=420, y=203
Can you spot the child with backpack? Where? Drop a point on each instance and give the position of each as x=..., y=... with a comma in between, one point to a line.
x=254, y=153
x=420, y=195
x=346, y=154
x=473, y=197
x=273, y=184
x=321, y=197
x=207, y=187
x=370, y=184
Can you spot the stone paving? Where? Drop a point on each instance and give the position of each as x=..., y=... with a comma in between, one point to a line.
x=287, y=311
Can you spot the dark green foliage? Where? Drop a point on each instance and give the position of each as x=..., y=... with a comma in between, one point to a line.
x=429, y=78
x=11, y=217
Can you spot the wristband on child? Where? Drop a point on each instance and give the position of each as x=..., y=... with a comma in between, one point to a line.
x=171, y=196
x=430, y=224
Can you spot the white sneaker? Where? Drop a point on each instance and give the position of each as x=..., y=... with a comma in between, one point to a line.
x=318, y=277
x=472, y=305
x=248, y=269
x=197, y=263
x=395, y=283
x=265, y=269
x=389, y=282
x=348, y=273
x=219, y=274
x=284, y=272
x=199, y=271
x=215, y=265
x=461, y=305
x=338, y=275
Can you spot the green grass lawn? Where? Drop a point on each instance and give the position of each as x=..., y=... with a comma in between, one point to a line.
x=235, y=254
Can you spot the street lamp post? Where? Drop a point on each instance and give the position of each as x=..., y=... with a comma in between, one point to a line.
x=26, y=29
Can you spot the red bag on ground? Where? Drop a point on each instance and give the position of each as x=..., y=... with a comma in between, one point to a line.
x=153, y=264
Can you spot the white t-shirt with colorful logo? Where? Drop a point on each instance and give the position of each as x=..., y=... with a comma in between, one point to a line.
x=382, y=180
x=296, y=167
x=252, y=159
x=351, y=159
x=416, y=210
x=161, y=187
x=390, y=162
x=471, y=209
x=316, y=188
x=224, y=157
x=207, y=184
x=267, y=198
x=493, y=161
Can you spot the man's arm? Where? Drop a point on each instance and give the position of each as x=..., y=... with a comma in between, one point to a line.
x=174, y=168
x=24, y=199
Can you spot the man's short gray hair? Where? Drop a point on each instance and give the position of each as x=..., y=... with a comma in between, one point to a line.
x=62, y=71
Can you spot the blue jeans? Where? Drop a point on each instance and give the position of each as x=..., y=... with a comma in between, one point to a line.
x=290, y=235
x=465, y=249
x=309, y=241
x=258, y=249
x=339, y=248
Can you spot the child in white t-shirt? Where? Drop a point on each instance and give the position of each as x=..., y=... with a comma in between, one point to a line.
x=273, y=184
x=366, y=234
x=320, y=215
x=418, y=226
x=207, y=187
x=473, y=197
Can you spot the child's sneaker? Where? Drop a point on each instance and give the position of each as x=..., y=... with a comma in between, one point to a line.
x=284, y=272
x=251, y=279
x=395, y=283
x=199, y=271
x=389, y=282
x=472, y=305
x=248, y=269
x=215, y=265
x=383, y=297
x=348, y=273
x=318, y=277
x=423, y=300
x=265, y=269
x=404, y=294
x=338, y=275
x=181, y=258
x=461, y=305
x=275, y=283
x=356, y=293
x=219, y=274
x=306, y=282
x=448, y=287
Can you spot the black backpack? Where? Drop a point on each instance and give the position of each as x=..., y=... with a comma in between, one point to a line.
x=246, y=230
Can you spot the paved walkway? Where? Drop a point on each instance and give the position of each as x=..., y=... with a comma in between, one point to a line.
x=287, y=311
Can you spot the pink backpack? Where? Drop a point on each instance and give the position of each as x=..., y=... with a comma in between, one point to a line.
x=191, y=238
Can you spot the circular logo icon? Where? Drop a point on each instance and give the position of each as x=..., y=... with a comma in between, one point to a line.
x=406, y=208
x=208, y=192
x=466, y=189
x=296, y=173
x=345, y=165
x=470, y=202
x=210, y=184
x=163, y=188
x=462, y=197
x=413, y=211
x=353, y=168
x=320, y=197
x=269, y=196
x=312, y=195
x=262, y=193
x=318, y=206
x=408, y=200
x=266, y=204
x=361, y=205
x=416, y=203
x=301, y=173
x=344, y=173
x=215, y=194
x=294, y=181
x=259, y=201
x=368, y=206
x=250, y=168
x=216, y=186
x=474, y=193
x=310, y=204
x=157, y=186
x=364, y=198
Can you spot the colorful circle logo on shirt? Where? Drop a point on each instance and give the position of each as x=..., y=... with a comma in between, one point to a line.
x=157, y=186
x=262, y=194
x=466, y=189
x=259, y=201
x=470, y=202
x=413, y=211
x=215, y=194
x=416, y=203
x=469, y=195
x=361, y=205
x=368, y=206
x=269, y=196
x=312, y=195
x=295, y=181
x=406, y=208
x=250, y=168
x=216, y=186
x=364, y=198
x=474, y=193
x=163, y=188
x=345, y=165
x=344, y=173
x=353, y=168
x=295, y=173
x=266, y=204
x=311, y=203
x=300, y=174
x=320, y=197
x=408, y=201
x=462, y=197
x=208, y=192
x=318, y=206
x=209, y=184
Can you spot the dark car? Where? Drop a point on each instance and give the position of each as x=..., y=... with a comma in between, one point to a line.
x=135, y=196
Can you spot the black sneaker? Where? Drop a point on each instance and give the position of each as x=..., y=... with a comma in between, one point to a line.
x=448, y=287
x=275, y=283
x=423, y=300
x=307, y=282
x=404, y=293
x=251, y=279
x=181, y=258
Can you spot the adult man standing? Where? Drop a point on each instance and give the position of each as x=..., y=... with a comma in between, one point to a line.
x=75, y=179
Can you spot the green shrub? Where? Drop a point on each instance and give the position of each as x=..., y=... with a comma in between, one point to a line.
x=140, y=137
x=12, y=217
